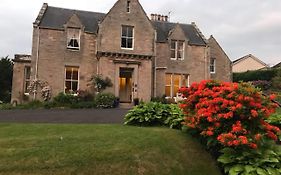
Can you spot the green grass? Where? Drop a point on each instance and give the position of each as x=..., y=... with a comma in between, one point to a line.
x=100, y=149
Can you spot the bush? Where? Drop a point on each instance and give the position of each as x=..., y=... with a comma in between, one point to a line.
x=255, y=75
x=31, y=105
x=6, y=106
x=63, y=99
x=155, y=114
x=262, y=84
x=105, y=100
x=229, y=114
x=264, y=161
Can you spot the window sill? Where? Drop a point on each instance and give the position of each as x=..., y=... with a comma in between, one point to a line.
x=73, y=48
x=123, y=48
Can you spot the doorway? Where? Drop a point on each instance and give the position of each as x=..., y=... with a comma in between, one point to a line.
x=125, y=85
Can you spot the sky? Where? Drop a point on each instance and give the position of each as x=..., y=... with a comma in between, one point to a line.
x=240, y=26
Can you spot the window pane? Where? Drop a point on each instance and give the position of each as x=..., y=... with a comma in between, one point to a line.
x=27, y=73
x=68, y=73
x=173, y=53
x=168, y=79
x=176, y=90
x=124, y=31
x=67, y=86
x=130, y=43
x=168, y=91
x=73, y=38
x=74, y=86
x=130, y=31
x=27, y=83
x=123, y=43
x=180, y=45
x=177, y=80
x=75, y=75
x=184, y=80
x=180, y=56
x=173, y=44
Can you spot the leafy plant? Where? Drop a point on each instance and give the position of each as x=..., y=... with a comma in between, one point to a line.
x=175, y=117
x=6, y=77
x=105, y=100
x=263, y=161
x=153, y=113
x=101, y=84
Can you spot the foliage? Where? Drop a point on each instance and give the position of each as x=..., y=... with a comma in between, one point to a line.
x=46, y=92
x=263, y=161
x=262, y=84
x=175, y=117
x=255, y=75
x=65, y=99
x=105, y=100
x=229, y=114
x=275, y=119
x=101, y=84
x=159, y=99
x=276, y=81
x=153, y=113
x=6, y=77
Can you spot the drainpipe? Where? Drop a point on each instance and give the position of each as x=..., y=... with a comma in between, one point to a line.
x=155, y=54
x=37, y=60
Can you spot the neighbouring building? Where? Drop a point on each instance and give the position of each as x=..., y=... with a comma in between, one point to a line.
x=248, y=63
x=144, y=57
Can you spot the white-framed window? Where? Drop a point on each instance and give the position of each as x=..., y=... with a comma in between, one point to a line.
x=177, y=50
x=73, y=38
x=128, y=7
x=27, y=73
x=174, y=82
x=71, y=80
x=213, y=66
x=127, y=37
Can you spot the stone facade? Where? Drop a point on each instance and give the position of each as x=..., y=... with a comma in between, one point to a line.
x=143, y=57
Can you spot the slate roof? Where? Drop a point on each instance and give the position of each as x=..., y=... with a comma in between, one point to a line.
x=55, y=18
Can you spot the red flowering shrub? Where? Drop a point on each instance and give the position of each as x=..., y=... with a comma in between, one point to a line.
x=230, y=114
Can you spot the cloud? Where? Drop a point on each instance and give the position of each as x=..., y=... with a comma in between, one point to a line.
x=240, y=26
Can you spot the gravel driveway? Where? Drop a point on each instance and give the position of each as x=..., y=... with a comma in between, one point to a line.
x=101, y=116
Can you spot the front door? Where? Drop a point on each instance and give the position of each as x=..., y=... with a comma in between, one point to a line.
x=125, y=85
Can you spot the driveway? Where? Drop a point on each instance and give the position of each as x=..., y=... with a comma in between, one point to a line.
x=100, y=116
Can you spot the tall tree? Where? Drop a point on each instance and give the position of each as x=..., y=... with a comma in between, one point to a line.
x=6, y=77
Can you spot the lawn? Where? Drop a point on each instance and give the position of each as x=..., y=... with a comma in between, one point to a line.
x=100, y=149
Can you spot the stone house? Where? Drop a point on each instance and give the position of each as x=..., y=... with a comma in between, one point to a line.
x=248, y=63
x=144, y=57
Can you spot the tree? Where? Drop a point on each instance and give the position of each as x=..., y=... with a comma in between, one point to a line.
x=6, y=77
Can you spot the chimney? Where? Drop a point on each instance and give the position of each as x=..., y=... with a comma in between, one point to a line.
x=158, y=17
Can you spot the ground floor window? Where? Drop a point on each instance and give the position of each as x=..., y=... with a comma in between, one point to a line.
x=71, y=79
x=174, y=82
x=27, y=71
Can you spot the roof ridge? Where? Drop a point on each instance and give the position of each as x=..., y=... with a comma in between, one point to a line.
x=76, y=10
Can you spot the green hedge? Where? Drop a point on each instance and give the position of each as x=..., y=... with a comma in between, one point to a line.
x=255, y=75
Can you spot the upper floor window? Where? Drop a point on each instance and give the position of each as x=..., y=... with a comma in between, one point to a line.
x=177, y=50
x=73, y=38
x=71, y=79
x=127, y=38
x=213, y=65
x=27, y=72
x=128, y=6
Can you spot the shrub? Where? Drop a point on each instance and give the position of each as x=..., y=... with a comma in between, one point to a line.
x=264, y=161
x=6, y=106
x=262, y=84
x=101, y=84
x=255, y=75
x=229, y=114
x=153, y=114
x=84, y=105
x=31, y=105
x=63, y=99
x=105, y=100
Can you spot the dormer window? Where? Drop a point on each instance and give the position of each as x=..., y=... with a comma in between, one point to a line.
x=177, y=50
x=73, y=38
x=128, y=6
